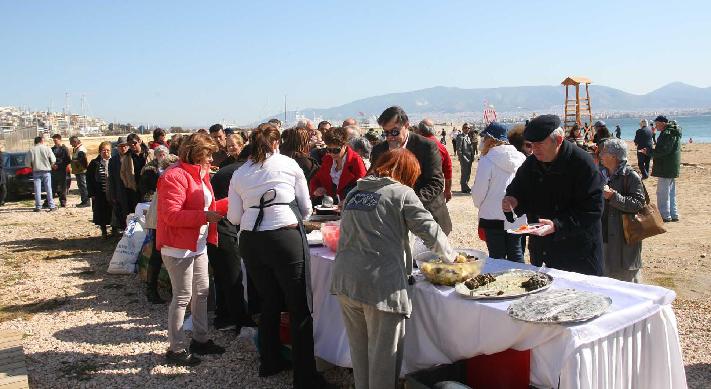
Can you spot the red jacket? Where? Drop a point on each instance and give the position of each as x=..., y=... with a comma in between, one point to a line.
x=353, y=169
x=181, y=208
x=446, y=160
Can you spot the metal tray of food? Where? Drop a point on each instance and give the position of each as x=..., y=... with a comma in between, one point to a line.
x=560, y=307
x=508, y=284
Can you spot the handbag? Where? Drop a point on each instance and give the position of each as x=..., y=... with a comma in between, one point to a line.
x=643, y=224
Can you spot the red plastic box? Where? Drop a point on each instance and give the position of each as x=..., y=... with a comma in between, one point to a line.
x=509, y=369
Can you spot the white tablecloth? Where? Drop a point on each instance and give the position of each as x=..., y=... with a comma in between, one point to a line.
x=635, y=344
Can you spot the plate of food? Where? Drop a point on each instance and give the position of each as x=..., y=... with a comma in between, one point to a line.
x=560, y=306
x=525, y=229
x=504, y=285
x=468, y=264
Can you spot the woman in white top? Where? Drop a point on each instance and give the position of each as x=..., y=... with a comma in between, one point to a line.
x=268, y=198
x=497, y=167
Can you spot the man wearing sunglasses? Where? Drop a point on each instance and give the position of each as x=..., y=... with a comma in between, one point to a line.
x=430, y=185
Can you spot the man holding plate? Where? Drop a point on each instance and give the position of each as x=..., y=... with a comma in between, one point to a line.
x=560, y=187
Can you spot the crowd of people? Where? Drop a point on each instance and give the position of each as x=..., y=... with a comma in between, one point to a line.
x=219, y=197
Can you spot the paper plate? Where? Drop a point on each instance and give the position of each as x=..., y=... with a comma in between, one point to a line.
x=528, y=230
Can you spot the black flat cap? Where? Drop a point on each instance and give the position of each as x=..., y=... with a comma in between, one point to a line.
x=540, y=127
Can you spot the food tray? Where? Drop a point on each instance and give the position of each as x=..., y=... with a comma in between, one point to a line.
x=478, y=294
x=560, y=306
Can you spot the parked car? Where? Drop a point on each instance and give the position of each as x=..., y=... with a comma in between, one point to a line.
x=18, y=176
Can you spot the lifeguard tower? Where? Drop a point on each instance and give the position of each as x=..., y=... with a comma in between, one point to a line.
x=575, y=107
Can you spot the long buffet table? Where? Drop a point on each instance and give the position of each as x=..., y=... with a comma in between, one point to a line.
x=634, y=345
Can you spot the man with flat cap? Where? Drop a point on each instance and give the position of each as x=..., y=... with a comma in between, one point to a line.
x=666, y=162
x=560, y=187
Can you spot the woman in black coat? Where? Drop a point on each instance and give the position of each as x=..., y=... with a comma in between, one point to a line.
x=97, y=178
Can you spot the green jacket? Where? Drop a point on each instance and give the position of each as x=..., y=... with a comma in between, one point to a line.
x=666, y=157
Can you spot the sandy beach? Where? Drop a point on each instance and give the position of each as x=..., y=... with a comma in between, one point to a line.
x=86, y=328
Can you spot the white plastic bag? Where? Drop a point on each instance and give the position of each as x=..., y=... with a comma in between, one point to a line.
x=129, y=247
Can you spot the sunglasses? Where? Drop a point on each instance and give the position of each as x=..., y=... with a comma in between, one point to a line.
x=333, y=150
x=132, y=143
x=394, y=132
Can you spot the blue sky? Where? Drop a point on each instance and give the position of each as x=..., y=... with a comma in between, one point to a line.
x=194, y=63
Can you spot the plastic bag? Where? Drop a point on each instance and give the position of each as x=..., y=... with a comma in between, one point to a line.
x=129, y=247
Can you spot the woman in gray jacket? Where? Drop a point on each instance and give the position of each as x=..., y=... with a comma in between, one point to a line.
x=373, y=265
x=624, y=193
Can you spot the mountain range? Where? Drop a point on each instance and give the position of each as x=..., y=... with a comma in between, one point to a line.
x=451, y=100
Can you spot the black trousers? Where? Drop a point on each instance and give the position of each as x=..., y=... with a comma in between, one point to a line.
x=643, y=162
x=154, y=264
x=275, y=261
x=3, y=192
x=229, y=292
x=59, y=185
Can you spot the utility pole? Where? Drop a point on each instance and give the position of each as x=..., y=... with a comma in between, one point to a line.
x=66, y=103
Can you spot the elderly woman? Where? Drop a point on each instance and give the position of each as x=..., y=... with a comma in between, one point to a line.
x=373, y=265
x=234, y=143
x=341, y=167
x=624, y=193
x=362, y=146
x=187, y=221
x=97, y=179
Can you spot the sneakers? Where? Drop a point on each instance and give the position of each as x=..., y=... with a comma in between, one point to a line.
x=675, y=219
x=206, y=348
x=181, y=358
x=37, y=210
x=83, y=204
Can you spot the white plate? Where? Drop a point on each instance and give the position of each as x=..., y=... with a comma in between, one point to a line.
x=531, y=227
x=480, y=293
x=322, y=208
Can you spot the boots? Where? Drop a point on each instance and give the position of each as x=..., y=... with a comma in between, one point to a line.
x=104, y=233
x=152, y=287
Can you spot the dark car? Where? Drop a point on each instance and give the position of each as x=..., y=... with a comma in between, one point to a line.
x=18, y=176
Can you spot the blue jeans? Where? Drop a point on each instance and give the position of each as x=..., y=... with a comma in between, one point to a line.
x=503, y=245
x=666, y=198
x=43, y=179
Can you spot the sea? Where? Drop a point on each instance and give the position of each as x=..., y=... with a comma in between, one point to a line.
x=697, y=128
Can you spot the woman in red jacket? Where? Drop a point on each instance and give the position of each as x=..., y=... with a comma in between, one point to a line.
x=341, y=167
x=187, y=217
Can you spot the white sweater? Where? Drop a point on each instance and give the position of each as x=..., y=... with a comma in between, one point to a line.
x=494, y=173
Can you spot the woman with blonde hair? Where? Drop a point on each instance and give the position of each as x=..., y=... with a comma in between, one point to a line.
x=187, y=221
x=497, y=167
x=373, y=266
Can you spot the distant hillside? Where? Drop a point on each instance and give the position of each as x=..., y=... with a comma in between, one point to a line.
x=442, y=99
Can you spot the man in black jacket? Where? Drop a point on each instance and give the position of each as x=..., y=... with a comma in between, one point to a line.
x=644, y=140
x=59, y=169
x=116, y=191
x=430, y=185
x=561, y=187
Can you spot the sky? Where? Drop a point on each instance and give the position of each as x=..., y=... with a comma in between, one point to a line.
x=193, y=63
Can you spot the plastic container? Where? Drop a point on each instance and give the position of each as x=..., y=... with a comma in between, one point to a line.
x=331, y=232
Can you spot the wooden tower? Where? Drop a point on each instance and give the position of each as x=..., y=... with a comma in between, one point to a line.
x=575, y=107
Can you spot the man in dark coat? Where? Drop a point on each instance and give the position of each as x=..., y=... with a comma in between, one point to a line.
x=430, y=185
x=643, y=139
x=59, y=170
x=561, y=187
x=116, y=192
